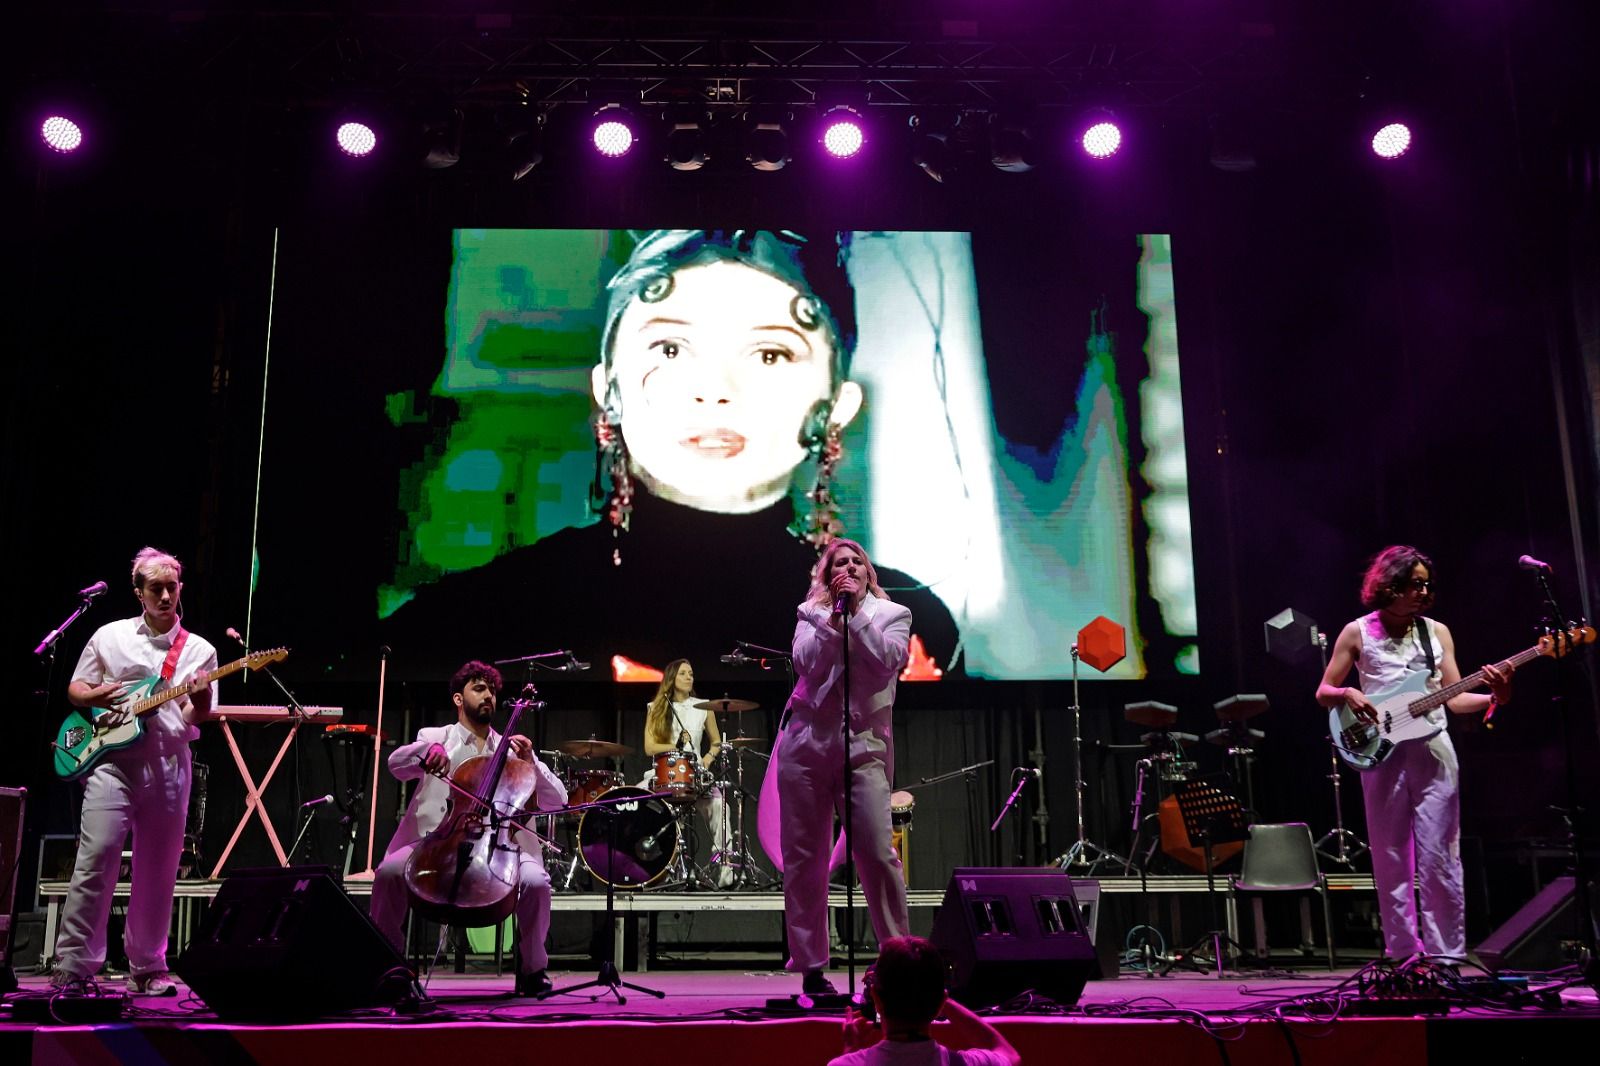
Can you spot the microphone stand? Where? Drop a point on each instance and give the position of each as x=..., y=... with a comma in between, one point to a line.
x=1574, y=815
x=1024, y=774
x=48, y=644
x=1347, y=845
x=849, y=821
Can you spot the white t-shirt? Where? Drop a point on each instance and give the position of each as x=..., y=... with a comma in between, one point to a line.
x=918, y=1053
x=129, y=650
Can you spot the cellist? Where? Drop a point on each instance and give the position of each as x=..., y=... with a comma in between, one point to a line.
x=439, y=750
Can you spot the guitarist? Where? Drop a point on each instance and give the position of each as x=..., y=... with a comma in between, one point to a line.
x=1413, y=796
x=143, y=787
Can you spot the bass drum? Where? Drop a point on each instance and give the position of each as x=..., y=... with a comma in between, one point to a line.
x=638, y=848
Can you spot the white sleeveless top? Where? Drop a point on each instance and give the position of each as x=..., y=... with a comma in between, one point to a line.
x=1386, y=661
x=685, y=715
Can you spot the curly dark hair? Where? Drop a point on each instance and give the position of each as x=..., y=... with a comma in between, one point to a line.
x=471, y=672
x=1388, y=572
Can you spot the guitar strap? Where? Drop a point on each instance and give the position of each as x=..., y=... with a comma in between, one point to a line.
x=1426, y=641
x=170, y=667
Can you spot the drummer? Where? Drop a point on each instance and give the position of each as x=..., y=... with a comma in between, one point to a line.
x=678, y=722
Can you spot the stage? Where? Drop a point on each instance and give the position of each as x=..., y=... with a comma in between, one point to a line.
x=1278, y=1015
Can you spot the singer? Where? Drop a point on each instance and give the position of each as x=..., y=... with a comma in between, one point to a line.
x=1413, y=797
x=676, y=722
x=810, y=763
x=473, y=690
x=143, y=788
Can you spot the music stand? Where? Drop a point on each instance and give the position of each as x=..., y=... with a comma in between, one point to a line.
x=1212, y=815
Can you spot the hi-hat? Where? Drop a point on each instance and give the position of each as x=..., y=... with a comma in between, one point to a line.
x=593, y=749
x=727, y=706
x=745, y=742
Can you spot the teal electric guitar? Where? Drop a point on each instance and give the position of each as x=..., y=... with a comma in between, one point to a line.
x=86, y=735
x=1402, y=710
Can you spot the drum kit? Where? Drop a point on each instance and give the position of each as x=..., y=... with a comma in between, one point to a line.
x=645, y=836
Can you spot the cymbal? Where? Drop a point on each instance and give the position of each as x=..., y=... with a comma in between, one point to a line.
x=745, y=742
x=593, y=749
x=727, y=706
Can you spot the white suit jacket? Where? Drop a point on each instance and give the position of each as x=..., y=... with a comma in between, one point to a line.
x=880, y=634
x=432, y=797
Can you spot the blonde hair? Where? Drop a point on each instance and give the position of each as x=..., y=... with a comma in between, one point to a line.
x=656, y=725
x=820, y=592
x=153, y=562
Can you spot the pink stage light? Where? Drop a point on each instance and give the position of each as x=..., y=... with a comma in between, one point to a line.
x=1393, y=141
x=613, y=139
x=1102, y=140
x=356, y=139
x=842, y=134
x=61, y=134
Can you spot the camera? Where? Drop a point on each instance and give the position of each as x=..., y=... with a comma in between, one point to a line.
x=863, y=1002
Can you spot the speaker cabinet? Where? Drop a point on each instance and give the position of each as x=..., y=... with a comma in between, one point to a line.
x=1543, y=935
x=1007, y=930
x=13, y=808
x=287, y=944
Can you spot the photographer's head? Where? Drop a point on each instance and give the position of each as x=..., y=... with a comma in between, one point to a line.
x=908, y=983
x=725, y=357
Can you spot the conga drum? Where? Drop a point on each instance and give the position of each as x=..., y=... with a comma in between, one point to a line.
x=901, y=806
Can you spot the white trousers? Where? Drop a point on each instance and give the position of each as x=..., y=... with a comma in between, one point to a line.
x=1414, y=823
x=810, y=785
x=390, y=901
x=143, y=790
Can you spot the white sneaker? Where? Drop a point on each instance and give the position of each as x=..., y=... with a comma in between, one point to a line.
x=158, y=983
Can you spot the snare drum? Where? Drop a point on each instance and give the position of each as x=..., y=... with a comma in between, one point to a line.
x=586, y=786
x=678, y=772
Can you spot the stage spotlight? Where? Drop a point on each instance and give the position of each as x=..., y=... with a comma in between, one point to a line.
x=686, y=139
x=355, y=139
x=441, y=137
x=766, y=145
x=524, y=148
x=61, y=134
x=1011, y=146
x=614, y=131
x=1102, y=139
x=933, y=147
x=1392, y=141
x=844, y=133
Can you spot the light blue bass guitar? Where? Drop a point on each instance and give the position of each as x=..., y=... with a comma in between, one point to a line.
x=86, y=735
x=1402, y=709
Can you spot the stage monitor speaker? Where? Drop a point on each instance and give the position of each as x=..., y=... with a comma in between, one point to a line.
x=286, y=944
x=1008, y=930
x=1543, y=935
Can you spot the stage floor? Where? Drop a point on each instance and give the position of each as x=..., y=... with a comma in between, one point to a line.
x=724, y=1015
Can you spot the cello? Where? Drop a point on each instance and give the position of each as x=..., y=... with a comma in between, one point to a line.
x=465, y=871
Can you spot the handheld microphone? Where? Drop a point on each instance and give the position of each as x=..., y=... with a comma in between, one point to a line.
x=1029, y=771
x=840, y=602
x=737, y=658
x=96, y=589
x=1527, y=562
x=319, y=801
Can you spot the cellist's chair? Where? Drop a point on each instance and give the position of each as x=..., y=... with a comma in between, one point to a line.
x=1283, y=858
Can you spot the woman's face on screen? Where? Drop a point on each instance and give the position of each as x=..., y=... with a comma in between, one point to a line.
x=715, y=383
